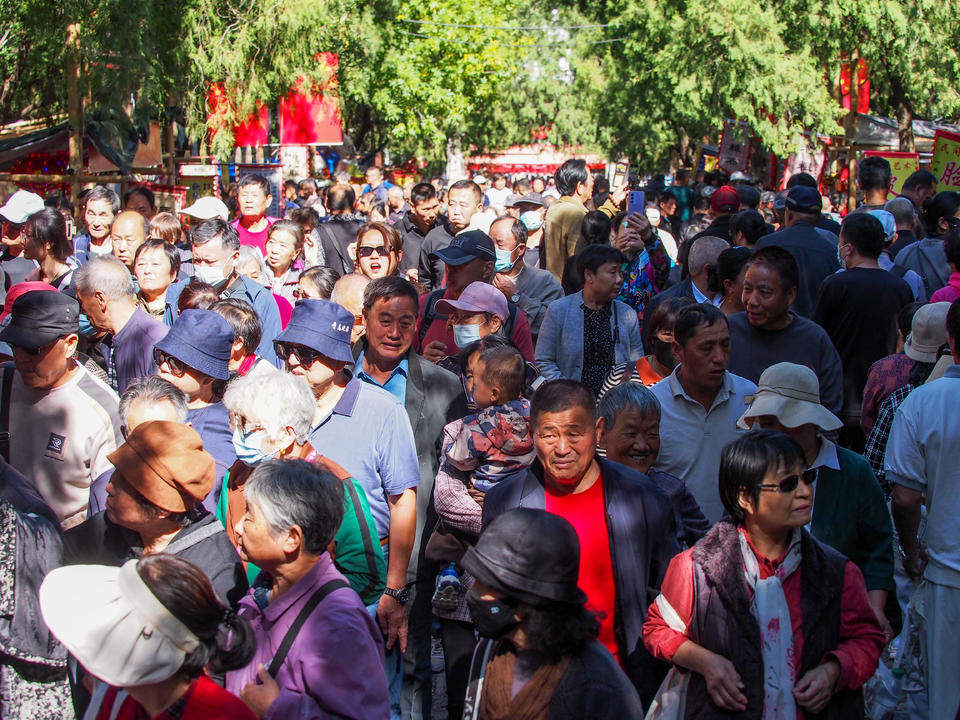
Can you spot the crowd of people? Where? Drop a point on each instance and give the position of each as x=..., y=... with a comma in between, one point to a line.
x=692, y=461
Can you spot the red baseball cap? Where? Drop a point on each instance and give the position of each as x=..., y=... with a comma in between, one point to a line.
x=725, y=200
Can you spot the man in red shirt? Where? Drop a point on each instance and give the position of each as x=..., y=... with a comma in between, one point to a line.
x=253, y=197
x=624, y=522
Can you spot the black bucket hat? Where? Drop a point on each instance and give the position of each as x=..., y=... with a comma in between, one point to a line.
x=530, y=555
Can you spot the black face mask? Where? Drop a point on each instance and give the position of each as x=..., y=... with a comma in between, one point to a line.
x=663, y=352
x=492, y=618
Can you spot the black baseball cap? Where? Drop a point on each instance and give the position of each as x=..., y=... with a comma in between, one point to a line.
x=40, y=317
x=467, y=246
x=802, y=198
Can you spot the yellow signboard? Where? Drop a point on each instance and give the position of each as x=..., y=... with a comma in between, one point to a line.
x=902, y=166
x=946, y=160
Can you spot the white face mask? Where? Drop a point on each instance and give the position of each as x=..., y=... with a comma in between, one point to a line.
x=210, y=274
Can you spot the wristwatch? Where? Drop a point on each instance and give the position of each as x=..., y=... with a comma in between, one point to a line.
x=401, y=596
x=515, y=298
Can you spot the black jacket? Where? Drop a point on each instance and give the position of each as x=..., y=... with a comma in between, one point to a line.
x=431, y=267
x=816, y=256
x=336, y=233
x=412, y=242
x=203, y=542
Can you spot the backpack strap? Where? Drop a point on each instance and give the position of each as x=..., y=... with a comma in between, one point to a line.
x=366, y=534
x=178, y=546
x=899, y=271
x=294, y=630
x=5, y=401
x=429, y=314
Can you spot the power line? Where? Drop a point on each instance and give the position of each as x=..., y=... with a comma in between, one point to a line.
x=518, y=28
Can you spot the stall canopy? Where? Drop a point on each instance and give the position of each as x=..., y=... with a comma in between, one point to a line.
x=541, y=159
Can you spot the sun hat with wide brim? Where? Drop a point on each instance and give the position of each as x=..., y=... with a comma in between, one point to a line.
x=928, y=333
x=114, y=625
x=791, y=393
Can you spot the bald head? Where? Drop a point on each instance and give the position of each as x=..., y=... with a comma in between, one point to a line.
x=903, y=213
x=129, y=231
x=395, y=197
x=348, y=294
x=704, y=253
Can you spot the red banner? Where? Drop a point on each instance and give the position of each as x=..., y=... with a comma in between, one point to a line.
x=255, y=130
x=863, y=86
x=310, y=114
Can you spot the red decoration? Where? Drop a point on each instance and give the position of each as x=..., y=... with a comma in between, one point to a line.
x=863, y=86
x=310, y=114
x=255, y=130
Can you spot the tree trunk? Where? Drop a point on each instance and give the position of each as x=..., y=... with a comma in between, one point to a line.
x=75, y=109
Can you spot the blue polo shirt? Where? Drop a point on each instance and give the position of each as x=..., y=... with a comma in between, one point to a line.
x=369, y=435
x=396, y=384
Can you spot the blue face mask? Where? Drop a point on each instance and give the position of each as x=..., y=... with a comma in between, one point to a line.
x=504, y=262
x=463, y=335
x=248, y=450
x=531, y=220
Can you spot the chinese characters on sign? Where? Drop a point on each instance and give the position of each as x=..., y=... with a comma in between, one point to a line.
x=902, y=165
x=946, y=160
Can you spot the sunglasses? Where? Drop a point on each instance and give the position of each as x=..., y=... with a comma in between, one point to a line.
x=366, y=251
x=305, y=356
x=176, y=367
x=790, y=483
x=35, y=351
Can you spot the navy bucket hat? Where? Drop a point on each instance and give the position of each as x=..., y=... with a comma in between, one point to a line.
x=202, y=340
x=320, y=325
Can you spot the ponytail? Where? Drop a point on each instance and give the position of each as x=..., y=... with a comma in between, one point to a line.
x=234, y=644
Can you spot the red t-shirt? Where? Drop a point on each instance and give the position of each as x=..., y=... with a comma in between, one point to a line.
x=585, y=511
x=254, y=239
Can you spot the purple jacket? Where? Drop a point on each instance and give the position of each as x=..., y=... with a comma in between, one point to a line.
x=133, y=348
x=334, y=667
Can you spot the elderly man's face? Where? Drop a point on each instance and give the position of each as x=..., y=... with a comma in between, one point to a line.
x=98, y=216
x=48, y=366
x=705, y=356
x=633, y=439
x=128, y=235
x=126, y=507
x=565, y=442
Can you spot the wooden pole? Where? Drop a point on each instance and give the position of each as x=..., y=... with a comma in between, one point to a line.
x=74, y=109
x=852, y=132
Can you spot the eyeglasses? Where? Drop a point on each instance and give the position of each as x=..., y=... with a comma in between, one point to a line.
x=366, y=251
x=176, y=367
x=790, y=483
x=305, y=356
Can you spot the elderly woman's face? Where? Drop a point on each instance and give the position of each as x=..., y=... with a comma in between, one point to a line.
x=488, y=322
x=633, y=440
x=256, y=543
x=152, y=270
x=776, y=510
x=255, y=434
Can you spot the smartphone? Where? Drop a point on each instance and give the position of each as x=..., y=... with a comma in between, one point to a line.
x=620, y=173
x=636, y=201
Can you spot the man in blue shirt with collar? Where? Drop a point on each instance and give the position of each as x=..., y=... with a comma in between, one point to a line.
x=364, y=429
x=216, y=247
x=432, y=397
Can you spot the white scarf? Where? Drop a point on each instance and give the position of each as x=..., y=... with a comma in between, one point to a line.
x=769, y=607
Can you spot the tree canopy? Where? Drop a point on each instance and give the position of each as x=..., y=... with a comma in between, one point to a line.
x=649, y=78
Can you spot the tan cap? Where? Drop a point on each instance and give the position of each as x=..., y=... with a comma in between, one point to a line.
x=166, y=463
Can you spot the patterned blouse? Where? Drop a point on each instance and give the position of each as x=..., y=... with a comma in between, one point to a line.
x=598, y=346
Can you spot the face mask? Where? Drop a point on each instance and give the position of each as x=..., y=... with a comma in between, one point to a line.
x=210, y=274
x=249, y=452
x=504, y=262
x=492, y=618
x=463, y=335
x=531, y=220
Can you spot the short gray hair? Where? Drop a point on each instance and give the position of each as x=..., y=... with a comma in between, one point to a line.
x=902, y=210
x=250, y=254
x=296, y=493
x=274, y=400
x=628, y=396
x=153, y=389
x=105, y=274
x=705, y=251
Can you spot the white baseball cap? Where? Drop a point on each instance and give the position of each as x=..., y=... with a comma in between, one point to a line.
x=20, y=206
x=480, y=180
x=207, y=208
x=738, y=175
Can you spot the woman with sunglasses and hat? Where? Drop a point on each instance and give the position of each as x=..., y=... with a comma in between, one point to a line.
x=772, y=623
x=850, y=511
x=195, y=356
x=538, y=657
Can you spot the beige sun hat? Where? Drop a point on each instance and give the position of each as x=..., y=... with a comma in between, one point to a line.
x=928, y=332
x=791, y=393
x=122, y=633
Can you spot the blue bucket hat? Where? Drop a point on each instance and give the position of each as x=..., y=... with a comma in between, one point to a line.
x=320, y=325
x=202, y=340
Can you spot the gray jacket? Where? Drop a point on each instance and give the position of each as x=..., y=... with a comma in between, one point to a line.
x=559, y=351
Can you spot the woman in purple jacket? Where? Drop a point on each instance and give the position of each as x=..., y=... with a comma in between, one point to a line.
x=319, y=653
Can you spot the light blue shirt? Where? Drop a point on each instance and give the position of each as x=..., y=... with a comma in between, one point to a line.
x=701, y=298
x=396, y=384
x=923, y=454
x=693, y=436
x=368, y=433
